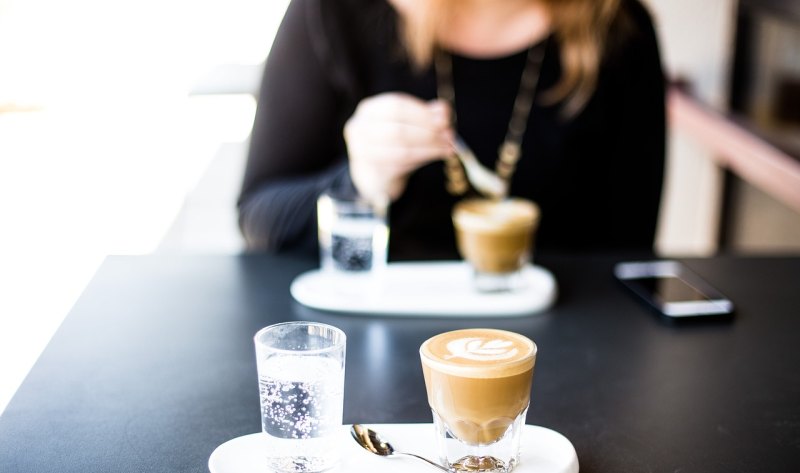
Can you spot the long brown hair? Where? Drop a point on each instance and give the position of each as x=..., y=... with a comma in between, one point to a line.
x=581, y=27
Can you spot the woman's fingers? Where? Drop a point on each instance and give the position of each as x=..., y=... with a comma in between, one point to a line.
x=403, y=108
x=391, y=135
x=405, y=158
x=409, y=142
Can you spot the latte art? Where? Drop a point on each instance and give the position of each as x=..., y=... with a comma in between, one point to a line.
x=482, y=352
x=481, y=349
x=496, y=237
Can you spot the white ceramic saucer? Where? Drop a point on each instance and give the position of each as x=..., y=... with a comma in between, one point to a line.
x=424, y=289
x=543, y=451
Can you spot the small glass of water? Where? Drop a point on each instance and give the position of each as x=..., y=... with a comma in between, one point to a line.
x=353, y=234
x=301, y=383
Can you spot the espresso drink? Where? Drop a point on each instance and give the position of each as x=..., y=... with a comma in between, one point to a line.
x=478, y=381
x=495, y=236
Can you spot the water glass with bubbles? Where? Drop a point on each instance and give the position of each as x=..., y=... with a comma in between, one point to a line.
x=301, y=384
x=353, y=234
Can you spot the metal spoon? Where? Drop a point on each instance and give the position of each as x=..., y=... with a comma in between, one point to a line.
x=371, y=441
x=483, y=180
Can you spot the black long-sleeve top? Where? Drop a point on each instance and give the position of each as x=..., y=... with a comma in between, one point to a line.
x=596, y=176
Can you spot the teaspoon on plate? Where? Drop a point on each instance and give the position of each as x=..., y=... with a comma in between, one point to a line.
x=372, y=442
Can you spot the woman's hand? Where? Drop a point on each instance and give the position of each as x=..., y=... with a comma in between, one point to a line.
x=389, y=136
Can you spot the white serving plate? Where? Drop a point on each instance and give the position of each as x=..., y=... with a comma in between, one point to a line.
x=542, y=451
x=423, y=289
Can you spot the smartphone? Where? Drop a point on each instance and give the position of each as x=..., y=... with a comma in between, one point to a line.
x=672, y=289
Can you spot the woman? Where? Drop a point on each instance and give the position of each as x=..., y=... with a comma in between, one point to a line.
x=369, y=95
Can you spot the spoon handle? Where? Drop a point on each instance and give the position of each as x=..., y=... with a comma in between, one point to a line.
x=432, y=463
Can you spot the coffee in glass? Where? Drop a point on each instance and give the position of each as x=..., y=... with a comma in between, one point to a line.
x=496, y=238
x=478, y=383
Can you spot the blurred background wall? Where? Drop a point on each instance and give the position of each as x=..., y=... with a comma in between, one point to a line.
x=696, y=41
x=734, y=55
x=123, y=129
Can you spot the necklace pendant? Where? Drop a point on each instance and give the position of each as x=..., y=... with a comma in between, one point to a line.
x=456, y=188
x=456, y=180
x=507, y=157
x=509, y=153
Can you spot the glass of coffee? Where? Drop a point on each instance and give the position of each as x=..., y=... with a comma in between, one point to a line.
x=478, y=383
x=496, y=238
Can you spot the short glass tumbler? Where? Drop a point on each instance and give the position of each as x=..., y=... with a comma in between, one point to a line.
x=478, y=383
x=496, y=238
x=301, y=383
x=353, y=234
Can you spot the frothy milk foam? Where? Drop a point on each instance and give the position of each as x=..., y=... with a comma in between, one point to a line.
x=478, y=380
x=495, y=236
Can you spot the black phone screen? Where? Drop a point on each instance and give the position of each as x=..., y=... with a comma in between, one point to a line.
x=672, y=290
x=667, y=289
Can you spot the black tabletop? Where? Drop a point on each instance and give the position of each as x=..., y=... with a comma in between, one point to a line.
x=154, y=367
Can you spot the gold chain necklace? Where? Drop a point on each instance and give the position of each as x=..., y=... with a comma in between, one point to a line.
x=509, y=152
